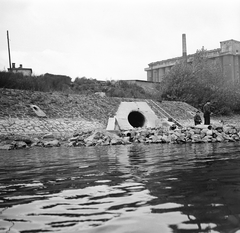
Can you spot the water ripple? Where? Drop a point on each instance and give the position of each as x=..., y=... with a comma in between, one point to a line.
x=135, y=188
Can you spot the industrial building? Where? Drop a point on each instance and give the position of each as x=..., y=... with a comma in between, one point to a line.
x=228, y=56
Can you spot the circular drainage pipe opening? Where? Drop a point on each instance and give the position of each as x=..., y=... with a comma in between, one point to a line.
x=136, y=119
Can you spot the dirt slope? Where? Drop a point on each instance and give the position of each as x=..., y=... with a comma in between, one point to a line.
x=15, y=104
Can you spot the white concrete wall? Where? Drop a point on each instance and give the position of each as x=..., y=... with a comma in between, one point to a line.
x=127, y=107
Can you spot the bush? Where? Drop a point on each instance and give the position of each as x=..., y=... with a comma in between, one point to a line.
x=200, y=81
x=224, y=111
x=47, y=82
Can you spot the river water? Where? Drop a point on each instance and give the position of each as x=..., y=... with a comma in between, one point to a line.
x=121, y=189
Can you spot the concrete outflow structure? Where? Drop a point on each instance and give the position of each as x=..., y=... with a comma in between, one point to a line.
x=37, y=111
x=132, y=115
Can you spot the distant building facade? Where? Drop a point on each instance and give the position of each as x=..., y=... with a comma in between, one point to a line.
x=20, y=69
x=228, y=55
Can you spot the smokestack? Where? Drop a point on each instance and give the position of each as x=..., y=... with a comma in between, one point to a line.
x=184, y=46
x=13, y=65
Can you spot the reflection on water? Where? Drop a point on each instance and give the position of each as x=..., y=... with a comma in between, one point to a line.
x=135, y=188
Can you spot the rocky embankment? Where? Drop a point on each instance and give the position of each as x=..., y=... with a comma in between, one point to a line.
x=67, y=113
x=15, y=104
x=80, y=120
x=194, y=134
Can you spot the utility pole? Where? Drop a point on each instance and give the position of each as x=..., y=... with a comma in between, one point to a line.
x=9, y=55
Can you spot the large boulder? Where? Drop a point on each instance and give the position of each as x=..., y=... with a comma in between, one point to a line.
x=196, y=138
x=53, y=143
x=19, y=144
x=6, y=147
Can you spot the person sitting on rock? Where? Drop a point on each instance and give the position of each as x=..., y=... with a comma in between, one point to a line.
x=197, y=118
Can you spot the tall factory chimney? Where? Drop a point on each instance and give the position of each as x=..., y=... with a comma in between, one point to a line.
x=184, y=46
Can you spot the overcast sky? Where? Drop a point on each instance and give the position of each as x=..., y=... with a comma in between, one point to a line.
x=110, y=39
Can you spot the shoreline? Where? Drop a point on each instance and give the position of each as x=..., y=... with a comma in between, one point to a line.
x=91, y=136
x=80, y=120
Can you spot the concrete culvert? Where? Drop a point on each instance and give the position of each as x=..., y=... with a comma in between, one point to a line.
x=136, y=119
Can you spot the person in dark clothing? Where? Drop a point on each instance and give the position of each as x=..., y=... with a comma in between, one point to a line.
x=197, y=118
x=207, y=113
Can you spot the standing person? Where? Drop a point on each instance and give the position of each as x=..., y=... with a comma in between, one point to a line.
x=207, y=113
x=197, y=118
